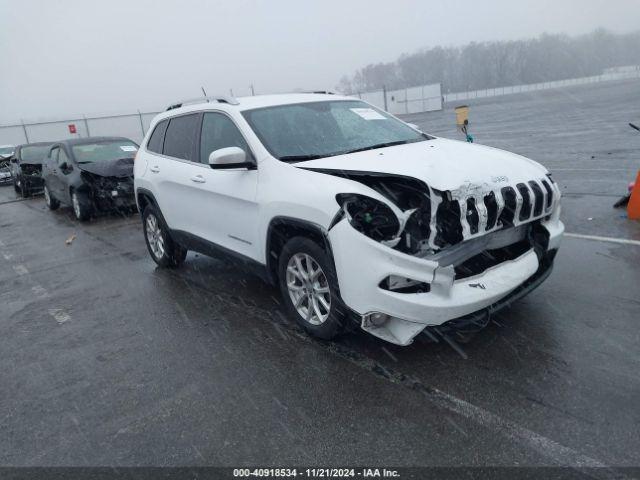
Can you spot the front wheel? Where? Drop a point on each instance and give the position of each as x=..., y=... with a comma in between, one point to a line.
x=309, y=287
x=51, y=202
x=164, y=251
x=81, y=206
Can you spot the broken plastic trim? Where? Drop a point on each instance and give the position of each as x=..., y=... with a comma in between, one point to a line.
x=432, y=221
x=396, y=284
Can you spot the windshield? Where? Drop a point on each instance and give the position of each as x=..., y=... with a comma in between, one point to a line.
x=33, y=154
x=305, y=131
x=101, y=151
x=6, y=150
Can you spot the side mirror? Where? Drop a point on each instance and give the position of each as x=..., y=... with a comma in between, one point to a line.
x=229, y=157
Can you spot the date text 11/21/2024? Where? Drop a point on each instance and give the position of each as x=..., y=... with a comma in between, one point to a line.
x=316, y=473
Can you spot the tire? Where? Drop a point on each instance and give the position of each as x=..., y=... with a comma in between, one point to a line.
x=81, y=206
x=162, y=248
x=16, y=187
x=322, y=322
x=51, y=202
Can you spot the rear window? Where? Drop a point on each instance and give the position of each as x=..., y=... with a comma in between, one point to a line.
x=157, y=137
x=181, y=137
x=101, y=151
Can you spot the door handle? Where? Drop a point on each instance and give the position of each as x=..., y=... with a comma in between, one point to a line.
x=154, y=169
x=198, y=179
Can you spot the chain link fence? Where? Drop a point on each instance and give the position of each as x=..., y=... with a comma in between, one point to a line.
x=494, y=92
x=133, y=126
x=423, y=98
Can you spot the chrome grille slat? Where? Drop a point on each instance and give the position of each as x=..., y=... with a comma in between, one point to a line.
x=435, y=200
x=482, y=214
x=466, y=229
x=513, y=199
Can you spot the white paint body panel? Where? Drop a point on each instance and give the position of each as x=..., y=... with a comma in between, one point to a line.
x=233, y=208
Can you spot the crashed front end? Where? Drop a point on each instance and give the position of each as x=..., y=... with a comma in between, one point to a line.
x=5, y=171
x=442, y=259
x=110, y=193
x=31, y=176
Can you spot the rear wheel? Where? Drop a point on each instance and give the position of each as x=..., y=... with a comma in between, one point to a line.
x=81, y=206
x=51, y=202
x=309, y=287
x=164, y=251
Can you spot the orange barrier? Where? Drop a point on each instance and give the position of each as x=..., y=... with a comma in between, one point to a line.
x=633, y=208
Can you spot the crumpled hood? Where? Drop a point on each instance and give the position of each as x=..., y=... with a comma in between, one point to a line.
x=442, y=164
x=122, y=167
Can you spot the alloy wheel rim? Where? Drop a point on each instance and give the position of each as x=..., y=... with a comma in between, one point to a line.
x=154, y=236
x=308, y=288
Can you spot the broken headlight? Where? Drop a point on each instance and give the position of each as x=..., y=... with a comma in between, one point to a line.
x=369, y=216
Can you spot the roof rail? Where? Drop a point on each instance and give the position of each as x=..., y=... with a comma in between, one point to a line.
x=324, y=92
x=213, y=98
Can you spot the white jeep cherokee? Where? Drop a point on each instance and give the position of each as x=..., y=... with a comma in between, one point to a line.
x=355, y=214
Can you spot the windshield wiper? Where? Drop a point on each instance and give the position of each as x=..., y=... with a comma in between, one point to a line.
x=300, y=158
x=379, y=145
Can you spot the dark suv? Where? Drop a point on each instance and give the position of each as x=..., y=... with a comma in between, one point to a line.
x=90, y=174
x=26, y=167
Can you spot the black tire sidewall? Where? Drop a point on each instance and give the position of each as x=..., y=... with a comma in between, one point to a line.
x=337, y=321
x=53, y=203
x=85, y=206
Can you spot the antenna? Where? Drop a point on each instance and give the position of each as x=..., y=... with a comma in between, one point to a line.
x=205, y=94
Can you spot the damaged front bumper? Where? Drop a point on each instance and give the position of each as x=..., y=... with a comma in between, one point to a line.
x=110, y=193
x=30, y=177
x=363, y=265
x=113, y=200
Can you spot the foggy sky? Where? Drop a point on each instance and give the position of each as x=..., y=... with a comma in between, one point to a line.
x=70, y=57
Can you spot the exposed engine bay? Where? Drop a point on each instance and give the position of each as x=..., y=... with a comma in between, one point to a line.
x=110, y=183
x=31, y=169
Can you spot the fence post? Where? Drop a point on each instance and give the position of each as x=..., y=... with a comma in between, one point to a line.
x=86, y=125
x=406, y=100
x=384, y=94
x=141, y=124
x=24, y=129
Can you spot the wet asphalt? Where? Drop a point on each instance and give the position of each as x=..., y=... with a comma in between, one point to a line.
x=107, y=360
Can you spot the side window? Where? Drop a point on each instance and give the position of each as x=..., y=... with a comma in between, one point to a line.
x=53, y=156
x=218, y=131
x=157, y=137
x=62, y=157
x=181, y=137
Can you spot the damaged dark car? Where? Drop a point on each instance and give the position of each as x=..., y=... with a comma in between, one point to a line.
x=6, y=151
x=26, y=167
x=91, y=175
